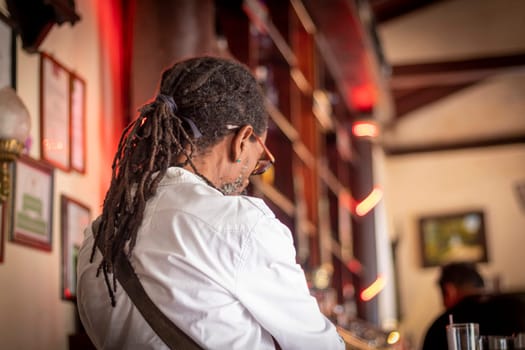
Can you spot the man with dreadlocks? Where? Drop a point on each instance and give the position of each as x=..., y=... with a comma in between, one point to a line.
x=216, y=262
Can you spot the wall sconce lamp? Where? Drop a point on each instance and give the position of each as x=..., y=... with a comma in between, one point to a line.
x=15, y=124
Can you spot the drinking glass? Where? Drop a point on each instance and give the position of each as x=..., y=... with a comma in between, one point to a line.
x=496, y=342
x=519, y=341
x=463, y=336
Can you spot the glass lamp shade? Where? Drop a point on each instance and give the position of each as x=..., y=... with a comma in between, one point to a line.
x=15, y=122
x=14, y=130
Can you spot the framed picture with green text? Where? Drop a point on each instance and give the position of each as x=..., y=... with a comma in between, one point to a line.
x=32, y=203
x=75, y=217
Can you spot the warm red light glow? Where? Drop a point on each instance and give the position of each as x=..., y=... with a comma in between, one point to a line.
x=257, y=12
x=355, y=266
x=369, y=202
x=346, y=200
x=363, y=98
x=114, y=64
x=53, y=145
x=365, y=129
x=372, y=290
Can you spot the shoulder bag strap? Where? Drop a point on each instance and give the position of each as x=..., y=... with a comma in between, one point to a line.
x=170, y=334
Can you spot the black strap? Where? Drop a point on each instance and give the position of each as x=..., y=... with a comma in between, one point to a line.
x=170, y=334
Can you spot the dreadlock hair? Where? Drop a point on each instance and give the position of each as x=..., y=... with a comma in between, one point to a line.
x=197, y=98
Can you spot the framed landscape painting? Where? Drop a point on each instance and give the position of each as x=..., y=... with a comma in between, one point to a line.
x=32, y=203
x=454, y=237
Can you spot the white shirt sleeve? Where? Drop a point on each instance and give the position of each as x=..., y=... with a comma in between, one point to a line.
x=272, y=286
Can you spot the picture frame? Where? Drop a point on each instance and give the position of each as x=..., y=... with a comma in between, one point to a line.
x=2, y=230
x=78, y=124
x=520, y=193
x=54, y=112
x=7, y=54
x=75, y=217
x=453, y=237
x=32, y=203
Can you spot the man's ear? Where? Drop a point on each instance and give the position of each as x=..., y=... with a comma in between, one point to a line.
x=239, y=141
x=450, y=294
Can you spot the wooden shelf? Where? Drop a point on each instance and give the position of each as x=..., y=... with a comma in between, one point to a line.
x=310, y=175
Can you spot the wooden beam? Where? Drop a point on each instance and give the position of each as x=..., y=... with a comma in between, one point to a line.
x=416, y=85
x=454, y=72
x=460, y=145
x=385, y=10
x=408, y=100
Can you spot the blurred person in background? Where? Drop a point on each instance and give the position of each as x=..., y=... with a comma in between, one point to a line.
x=465, y=300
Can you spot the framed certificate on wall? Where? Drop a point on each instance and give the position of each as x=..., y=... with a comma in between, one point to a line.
x=54, y=112
x=7, y=55
x=78, y=124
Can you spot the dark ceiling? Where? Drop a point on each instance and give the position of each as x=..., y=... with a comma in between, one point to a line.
x=385, y=10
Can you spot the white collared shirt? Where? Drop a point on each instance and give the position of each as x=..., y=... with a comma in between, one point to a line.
x=221, y=267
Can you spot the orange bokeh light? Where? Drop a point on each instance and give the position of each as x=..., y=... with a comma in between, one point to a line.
x=372, y=290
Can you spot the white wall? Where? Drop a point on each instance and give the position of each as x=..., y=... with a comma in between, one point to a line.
x=33, y=316
x=478, y=178
x=455, y=29
x=445, y=182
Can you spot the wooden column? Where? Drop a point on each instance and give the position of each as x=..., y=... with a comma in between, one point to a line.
x=165, y=31
x=363, y=228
